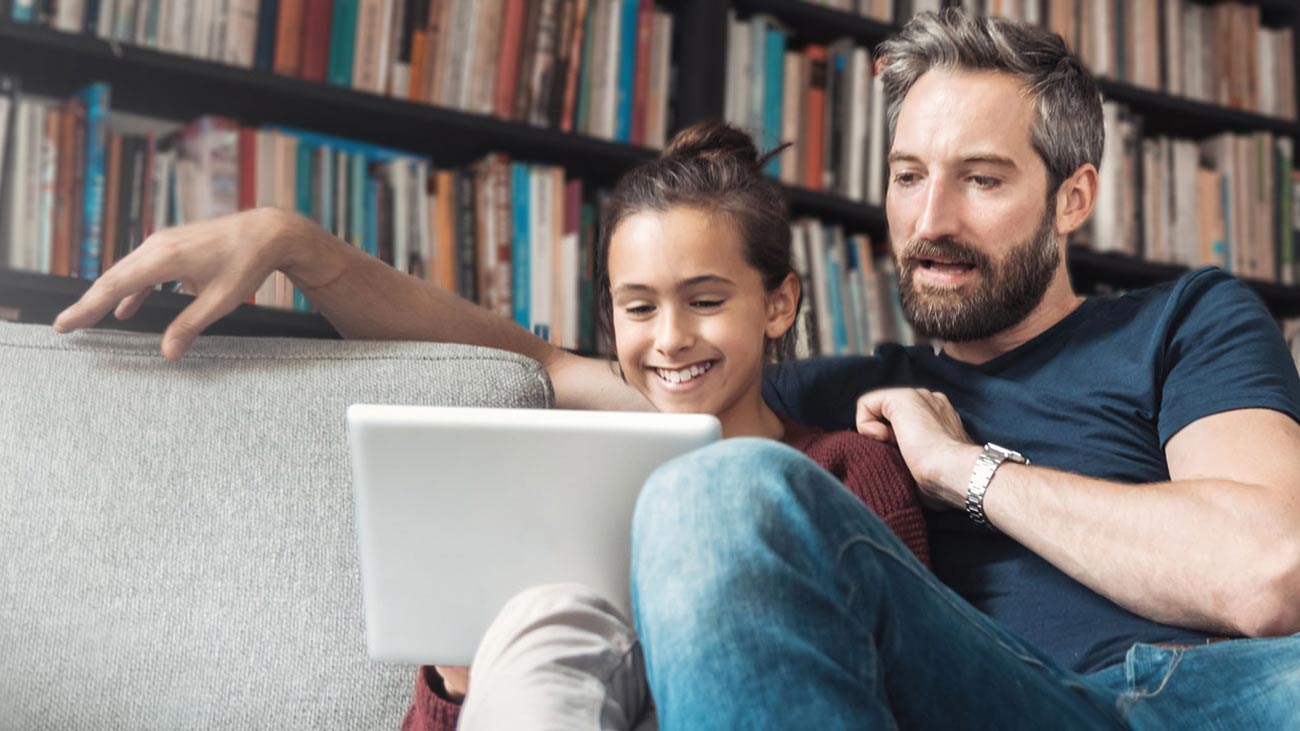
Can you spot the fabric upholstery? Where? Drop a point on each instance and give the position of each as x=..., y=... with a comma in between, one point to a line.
x=176, y=539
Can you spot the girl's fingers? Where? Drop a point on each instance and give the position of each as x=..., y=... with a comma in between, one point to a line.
x=127, y=308
x=193, y=320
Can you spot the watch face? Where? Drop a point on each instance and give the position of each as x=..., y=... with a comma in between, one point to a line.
x=1005, y=453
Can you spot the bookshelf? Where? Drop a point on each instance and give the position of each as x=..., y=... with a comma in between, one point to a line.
x=180, y=88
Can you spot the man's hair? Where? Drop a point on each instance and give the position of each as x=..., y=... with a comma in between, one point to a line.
x=1067, y=128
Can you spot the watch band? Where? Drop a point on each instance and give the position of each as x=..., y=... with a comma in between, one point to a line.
x=982, y=474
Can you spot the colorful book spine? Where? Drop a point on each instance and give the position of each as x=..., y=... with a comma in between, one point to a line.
x=582, y=105
x=626, y=70
x=835, y=294
x=373, y=153
x=96, y=98
x=267, y=25
x=773, y=89
x=519, y=261
x=343, y=33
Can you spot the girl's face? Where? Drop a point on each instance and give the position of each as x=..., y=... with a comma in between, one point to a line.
x=691, y=317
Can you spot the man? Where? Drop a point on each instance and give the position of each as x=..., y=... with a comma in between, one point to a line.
x=1162, y=504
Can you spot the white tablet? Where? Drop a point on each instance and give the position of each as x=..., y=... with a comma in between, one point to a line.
x=459, y=509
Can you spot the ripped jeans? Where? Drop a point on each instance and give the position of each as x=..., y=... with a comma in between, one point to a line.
x=767, y=597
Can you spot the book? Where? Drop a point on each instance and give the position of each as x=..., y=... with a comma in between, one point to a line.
x=9, y=89
x=626, y=65
x=96, y=98
x=267, y=26
x=318, y=16
x=520, y=274
x=286, y=57
x=343, y=28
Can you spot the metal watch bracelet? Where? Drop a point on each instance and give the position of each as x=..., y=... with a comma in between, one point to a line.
x=986, y=465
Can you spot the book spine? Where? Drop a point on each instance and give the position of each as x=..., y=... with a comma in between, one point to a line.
x=641, y=72
x=342, y=35
x=466, y=237
x=519, y=273
x=267, y=25
x=627, y=54
x=815, y=133
x=135, y=161
x=287, y=56
x=113, y=199
x=587, y=279
x=47, y=178
x=773, y=86
x=96, y=98
x=317, y=39
x=9, y=168
x=24, y=11
x=582, y=104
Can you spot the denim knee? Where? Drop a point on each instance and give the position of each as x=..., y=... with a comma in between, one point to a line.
x=735, y=479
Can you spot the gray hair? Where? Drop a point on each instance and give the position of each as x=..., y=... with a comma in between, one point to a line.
x=1067, y=130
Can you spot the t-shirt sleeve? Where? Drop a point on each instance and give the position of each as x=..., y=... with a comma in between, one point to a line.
x=1223, y=352
x=823, y=392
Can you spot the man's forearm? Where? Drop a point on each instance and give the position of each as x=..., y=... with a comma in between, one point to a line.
x=1195, y=553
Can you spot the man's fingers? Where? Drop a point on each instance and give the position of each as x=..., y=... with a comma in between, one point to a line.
x=192, y=321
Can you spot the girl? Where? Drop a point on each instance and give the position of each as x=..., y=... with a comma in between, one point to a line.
x=698, y=290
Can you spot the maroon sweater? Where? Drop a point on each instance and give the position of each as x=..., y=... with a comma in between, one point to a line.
x=871, y=470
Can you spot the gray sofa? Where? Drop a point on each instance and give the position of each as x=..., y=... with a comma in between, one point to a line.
x=176, y=540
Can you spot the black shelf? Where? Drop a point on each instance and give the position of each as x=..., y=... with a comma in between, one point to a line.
x=1177, y=116
x=39, y=298
x=1119, y=271
x=174, y=87
x=854, y=216
x=818, y=23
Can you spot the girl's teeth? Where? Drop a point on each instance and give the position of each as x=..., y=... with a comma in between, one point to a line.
x=682, y=376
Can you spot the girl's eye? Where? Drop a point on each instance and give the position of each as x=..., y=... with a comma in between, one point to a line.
x=639, y=309
x=706, y=304
x=905, y=178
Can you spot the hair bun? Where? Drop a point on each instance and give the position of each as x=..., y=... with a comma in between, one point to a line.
x=713, y=140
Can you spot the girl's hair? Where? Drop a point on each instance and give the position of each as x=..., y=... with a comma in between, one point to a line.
x=713, y=167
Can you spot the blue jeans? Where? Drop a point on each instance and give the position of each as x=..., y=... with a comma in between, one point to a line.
x=767, y=596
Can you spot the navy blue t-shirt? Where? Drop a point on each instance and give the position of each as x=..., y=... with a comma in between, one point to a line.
x=1098, y=394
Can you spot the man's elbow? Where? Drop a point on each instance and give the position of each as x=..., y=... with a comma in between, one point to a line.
x=1271, y=607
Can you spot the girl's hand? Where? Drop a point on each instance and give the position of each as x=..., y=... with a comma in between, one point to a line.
x=222, y=261
x=455, y=680
x=929, y=433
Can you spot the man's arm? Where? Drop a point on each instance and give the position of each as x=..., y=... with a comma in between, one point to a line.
x=225, y=260
x=1216, y=548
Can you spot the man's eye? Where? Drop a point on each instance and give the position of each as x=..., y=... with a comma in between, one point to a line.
x=984, y=181
x=905, y=178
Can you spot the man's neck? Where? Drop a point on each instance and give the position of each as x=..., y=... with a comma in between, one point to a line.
x=1058, y=302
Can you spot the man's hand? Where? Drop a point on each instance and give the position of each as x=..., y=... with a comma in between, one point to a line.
x=929, y=433
x=222, y=261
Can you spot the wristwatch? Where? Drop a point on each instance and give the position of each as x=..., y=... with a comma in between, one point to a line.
x=989, y=460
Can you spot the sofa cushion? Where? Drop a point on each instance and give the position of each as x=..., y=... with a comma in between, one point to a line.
x=176, y=539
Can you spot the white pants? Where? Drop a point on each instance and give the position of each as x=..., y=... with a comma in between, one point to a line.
x=558, y=658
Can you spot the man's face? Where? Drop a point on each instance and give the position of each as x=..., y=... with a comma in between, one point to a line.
x=972, y=229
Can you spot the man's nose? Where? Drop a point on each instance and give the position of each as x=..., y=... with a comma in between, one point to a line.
x=938, y=218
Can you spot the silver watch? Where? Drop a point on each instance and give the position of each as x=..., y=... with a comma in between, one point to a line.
x=989, y=460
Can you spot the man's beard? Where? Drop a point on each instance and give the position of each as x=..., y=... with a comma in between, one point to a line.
x=1008, y=290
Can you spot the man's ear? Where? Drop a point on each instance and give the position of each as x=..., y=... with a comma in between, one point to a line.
x=1075, y=199
x=782, y=305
